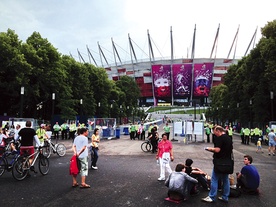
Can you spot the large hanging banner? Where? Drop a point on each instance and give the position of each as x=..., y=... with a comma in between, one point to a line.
x=203, y=79
x=182, y=78
x=161, y=75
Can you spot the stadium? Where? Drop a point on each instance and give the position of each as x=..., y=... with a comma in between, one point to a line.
x=170, y=81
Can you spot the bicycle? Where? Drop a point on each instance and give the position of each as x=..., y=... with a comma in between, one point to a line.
x=50, y=147
x=8, y=157
x=5, y=164
x=146, y=146
x=22, y=165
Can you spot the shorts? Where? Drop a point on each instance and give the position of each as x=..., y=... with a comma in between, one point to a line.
x=28, y=150
x=259, y=147
x=84, y=166
x=271, y=144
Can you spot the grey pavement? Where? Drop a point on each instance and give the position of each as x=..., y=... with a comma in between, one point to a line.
x=128, y=177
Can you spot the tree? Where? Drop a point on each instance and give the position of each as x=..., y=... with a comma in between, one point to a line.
x=14, y=70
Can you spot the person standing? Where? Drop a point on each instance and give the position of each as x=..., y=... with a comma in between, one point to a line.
x=154, y=139
x=48, y=132
x=246, y=132
x=230, y=132
x=56, y=128
x=41, y=133
x=248, y=180
x=141, y=132
x=242, y=135
x=167, y=130
x=271, y=142
x=72, y=130
x=164, y=155
x=222, y=150
x=259, y=146
x=28, y=135
x=64, y=130
x=95, y=147
x=132, y=131
x=149, y=130
x=256, y=135
x=208, y=132
x=81, y=151
x=16, y=131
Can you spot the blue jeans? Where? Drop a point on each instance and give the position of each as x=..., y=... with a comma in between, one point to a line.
x=214, y=185
x=95, y=157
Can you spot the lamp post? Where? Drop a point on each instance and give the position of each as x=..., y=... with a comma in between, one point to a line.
x=193, y=103
x=127, y=113
x=217, y=115
x=250, y=103
x=81, y=102
x=111, y=106
x=21, y=101
x=53, y=104
x=120, y=114
x=272, y=99
x=238, y=105
x=99, y=106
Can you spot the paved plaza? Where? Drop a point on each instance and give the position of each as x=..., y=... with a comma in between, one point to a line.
x=128, y=177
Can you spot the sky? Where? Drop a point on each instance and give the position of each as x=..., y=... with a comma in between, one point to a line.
x=72, y=25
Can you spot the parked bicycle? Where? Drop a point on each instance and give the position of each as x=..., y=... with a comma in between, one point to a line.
x=22, y=166
x=50, y=147
x=7, y=159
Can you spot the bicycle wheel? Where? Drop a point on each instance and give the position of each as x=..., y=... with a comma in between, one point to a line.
x=43, y=165
x=144, y=146
x=20, y=169
x=148, y=146
x=3, y=164
x=61, y=149
x=47, y=151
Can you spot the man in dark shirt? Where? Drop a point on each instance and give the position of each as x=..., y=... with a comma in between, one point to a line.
x=222, y=150
x=27, y=135
x=248, y=179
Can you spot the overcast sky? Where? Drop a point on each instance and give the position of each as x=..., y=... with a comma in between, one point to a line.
x=74, y=24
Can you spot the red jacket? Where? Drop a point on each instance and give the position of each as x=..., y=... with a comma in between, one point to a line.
x=73, y=166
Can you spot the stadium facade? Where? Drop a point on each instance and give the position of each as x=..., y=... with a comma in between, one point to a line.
x=177, y=82
x=172, y=81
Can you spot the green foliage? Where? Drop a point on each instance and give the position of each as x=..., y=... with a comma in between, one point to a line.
x=42, y=70
x=251, y=79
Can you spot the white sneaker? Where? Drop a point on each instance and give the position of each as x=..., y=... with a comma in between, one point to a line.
x=94, y=167
x=161, y=178
x=207, y=199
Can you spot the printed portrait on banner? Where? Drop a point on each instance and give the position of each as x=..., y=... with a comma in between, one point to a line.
x=161, y=80
x=203, y=79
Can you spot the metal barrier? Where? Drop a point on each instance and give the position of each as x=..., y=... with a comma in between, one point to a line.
x=189, y=131
x=107, y=127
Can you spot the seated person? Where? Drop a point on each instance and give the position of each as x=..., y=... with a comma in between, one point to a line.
x=6, y=140
x=248, y=179
x=196, y=173
x=179, y=183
